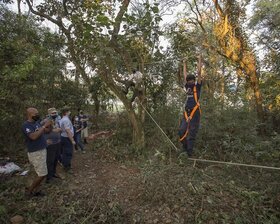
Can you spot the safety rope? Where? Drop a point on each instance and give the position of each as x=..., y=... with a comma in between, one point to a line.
x=206, y=160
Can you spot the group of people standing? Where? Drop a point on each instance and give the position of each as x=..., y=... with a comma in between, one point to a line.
x=51, y=140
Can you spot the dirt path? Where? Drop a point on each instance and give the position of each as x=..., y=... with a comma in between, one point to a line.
x=99, y=178
x=104, y=190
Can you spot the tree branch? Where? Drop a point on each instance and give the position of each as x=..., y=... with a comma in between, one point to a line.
x=119, y=17
x=199, y=21
x=70, y=43
x=218, y=8
x=114, y=42
x=43, y=14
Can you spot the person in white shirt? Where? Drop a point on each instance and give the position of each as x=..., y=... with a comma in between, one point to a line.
x=135, y=82
x=67, y=139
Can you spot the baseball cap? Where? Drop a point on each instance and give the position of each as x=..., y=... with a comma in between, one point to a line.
x=52, y=110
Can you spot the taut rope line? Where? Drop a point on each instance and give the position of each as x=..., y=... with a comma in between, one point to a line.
x=206, y=160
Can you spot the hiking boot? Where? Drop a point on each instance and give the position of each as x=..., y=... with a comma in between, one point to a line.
x=56, y=176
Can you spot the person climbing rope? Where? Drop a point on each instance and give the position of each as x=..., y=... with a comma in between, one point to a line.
x=190, y=122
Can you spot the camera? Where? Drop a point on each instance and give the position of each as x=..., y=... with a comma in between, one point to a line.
x=52, y=117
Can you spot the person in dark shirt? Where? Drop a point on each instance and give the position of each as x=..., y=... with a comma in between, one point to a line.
x=78, y=127
x=36, y=147
x=84, y=119
x=190, y=122
x=52, y=136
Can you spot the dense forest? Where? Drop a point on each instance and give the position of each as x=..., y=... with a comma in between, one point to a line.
x=80, y=54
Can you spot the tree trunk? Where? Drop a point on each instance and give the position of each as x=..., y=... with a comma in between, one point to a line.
x=248, y=64
x=141, y=97
x=223, y=91
x=222, y=80
x=96, y=109
x=19, y=9
x=235, y=48
x=138, y=135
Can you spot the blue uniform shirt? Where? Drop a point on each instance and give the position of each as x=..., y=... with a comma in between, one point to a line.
x=190, y=103
x=33, y=145
x=65, y=123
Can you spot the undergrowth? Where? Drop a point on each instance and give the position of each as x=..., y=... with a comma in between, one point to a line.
x=168, y=187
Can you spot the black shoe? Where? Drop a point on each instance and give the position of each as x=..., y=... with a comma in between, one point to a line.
x=49, y=180
x=56, y=176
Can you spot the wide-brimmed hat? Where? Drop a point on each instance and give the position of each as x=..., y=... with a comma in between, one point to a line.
x=52, y=110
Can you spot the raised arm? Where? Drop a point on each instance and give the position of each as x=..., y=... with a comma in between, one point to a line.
x=35, y=135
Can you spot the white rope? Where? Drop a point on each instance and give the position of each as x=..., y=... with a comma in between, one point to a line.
x=206, y=160
x=236, y=164
x=159, y=127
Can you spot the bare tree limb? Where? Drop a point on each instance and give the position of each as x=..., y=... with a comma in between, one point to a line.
x=197, y=15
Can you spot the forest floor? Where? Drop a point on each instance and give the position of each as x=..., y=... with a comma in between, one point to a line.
x=104, y=189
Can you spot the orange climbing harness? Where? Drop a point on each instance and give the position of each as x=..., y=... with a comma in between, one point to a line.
x=188, y=118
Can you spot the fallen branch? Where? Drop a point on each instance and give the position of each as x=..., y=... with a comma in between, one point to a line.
x=104, y=134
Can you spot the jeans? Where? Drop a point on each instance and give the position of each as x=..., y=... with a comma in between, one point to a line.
x=78, y=140
x=188, y=142
x=67, y=152
x=52, y=152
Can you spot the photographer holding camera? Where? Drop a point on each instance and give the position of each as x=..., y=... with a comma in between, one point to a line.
x=52, y=135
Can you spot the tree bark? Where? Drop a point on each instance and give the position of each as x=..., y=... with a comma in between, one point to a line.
x=236, y=49
x=138, y=135
x=248, y=65
x=18, y=5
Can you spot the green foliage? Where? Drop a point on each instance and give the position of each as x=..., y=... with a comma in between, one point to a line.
x=32, y=64
x=31, y=69
x=266, y=20
x=100, y=95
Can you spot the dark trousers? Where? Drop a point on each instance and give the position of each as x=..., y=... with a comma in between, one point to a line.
x=193, y=126
x=52, y=152
x=78, y=140
x=59, y=154
x=67, y=152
